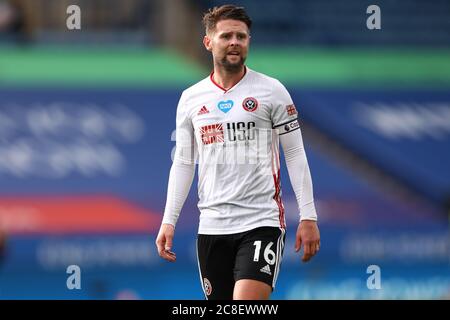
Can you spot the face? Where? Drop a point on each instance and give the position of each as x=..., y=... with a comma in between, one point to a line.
x=228, y=44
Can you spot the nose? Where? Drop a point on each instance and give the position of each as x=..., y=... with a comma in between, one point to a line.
x=234, y=41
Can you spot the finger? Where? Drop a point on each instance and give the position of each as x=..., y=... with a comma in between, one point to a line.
x=311, y=251
x=160, y=246
x=312, y=248
x=298, y=243
x=306, y=257
x=317, y=246
x=169, y=255
x=306, y=252
x=168, y=245
x=307, y=248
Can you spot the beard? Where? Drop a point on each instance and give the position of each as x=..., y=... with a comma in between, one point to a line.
x=232, y=67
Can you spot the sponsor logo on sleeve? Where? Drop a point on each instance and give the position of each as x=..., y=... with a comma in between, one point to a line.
x=291, y=126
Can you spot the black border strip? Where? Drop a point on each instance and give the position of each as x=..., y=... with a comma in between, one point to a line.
x=280, y=134
x=282, y=124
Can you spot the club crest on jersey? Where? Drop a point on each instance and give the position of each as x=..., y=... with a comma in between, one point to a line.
x=207, y=286
x=225, y=106
x=250, y=104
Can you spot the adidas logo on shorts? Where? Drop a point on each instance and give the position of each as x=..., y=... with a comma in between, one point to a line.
x=266, y=269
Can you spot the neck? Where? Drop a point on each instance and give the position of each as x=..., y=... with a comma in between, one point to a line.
x=227, y=79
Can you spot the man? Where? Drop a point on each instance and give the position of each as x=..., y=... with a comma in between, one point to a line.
x=233, y=121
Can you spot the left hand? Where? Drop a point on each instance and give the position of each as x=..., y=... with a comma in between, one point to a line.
x=307, y=234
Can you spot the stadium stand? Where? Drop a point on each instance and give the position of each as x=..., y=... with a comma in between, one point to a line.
x=86, y=135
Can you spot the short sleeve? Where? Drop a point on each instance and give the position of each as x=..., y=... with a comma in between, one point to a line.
x=284, y=113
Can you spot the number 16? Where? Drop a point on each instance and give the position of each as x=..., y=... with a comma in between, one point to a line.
x=269, y=255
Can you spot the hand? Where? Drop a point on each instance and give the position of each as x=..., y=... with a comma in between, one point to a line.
x=164, y=242
x=308, y=234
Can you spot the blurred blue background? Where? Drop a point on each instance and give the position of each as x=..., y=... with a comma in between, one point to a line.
x=87, y=120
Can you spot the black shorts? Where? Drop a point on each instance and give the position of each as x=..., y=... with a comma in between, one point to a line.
x=225, y=259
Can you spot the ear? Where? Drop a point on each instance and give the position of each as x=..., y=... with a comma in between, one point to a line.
x=207, y=43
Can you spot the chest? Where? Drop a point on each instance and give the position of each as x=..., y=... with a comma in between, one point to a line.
x=238, y=109
x=231, y=118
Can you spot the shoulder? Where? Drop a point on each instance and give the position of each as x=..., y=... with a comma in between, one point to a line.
x=270, y=85
x=264, y=79
x=195, y=89
x=191, y=96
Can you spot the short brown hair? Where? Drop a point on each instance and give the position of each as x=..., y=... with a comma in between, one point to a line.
x=227, y=11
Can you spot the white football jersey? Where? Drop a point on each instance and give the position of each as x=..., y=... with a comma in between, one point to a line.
x=233, y=134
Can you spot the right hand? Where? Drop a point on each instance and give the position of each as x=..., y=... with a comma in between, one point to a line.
x=164, y=242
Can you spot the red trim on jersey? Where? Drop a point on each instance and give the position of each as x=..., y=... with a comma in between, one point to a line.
x=277, y=182
x=211, y=76
x=277, y=198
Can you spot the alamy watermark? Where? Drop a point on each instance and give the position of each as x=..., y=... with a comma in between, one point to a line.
x=73, y=21
x=374, y=20
x=374, y=280
x=74, y=280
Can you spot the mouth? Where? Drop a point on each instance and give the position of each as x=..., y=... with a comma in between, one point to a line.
x=233, y=53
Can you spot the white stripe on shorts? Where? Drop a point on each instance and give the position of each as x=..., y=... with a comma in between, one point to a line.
x=280, y=247
x=200, y=270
